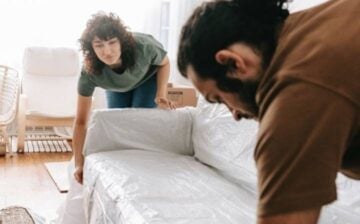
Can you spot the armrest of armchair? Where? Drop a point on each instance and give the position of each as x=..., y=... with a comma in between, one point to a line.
x=144, y=129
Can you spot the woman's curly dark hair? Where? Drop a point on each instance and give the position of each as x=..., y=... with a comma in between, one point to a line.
x=218, y=24
x=106, y=26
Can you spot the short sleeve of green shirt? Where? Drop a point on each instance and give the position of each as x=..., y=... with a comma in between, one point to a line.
x=85, y=86
x=153, y=48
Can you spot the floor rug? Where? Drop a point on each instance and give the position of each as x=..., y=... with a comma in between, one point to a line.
x=59, y=174
x=15, y=215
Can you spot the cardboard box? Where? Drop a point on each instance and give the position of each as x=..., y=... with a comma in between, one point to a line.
x=182, y=95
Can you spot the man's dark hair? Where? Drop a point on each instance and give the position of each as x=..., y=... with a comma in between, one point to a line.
x=105, y=27
x=216, y=25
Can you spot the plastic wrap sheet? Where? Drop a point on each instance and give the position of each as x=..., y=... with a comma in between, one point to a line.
x=135, y=187
x=346, y=210
x=146, y=129
x=71, y=211
x=228, y=146
x=348, y=192
x=153, y=186
x=225, y=144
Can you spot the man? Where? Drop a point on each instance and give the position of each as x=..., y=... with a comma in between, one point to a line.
x=299, y=75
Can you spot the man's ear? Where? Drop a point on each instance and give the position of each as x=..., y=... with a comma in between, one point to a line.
x=227, y=57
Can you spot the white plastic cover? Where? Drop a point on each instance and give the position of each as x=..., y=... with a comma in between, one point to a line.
x=139, y=169
x=146, y=129
x=229, y=145
x=225, y=144
x=345, y=210
x=138, y=187
x=72, y=210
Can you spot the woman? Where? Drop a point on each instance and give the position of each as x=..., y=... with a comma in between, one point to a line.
x=132, y=67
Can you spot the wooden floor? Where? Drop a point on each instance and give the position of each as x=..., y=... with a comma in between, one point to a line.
x=24, y=181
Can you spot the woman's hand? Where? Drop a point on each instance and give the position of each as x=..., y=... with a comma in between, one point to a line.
x=78, y=174
x=164, y=103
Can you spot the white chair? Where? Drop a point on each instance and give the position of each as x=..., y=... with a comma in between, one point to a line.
x=49, y=83
x=9, y=89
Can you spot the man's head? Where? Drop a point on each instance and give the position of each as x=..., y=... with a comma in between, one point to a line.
x=225, y=47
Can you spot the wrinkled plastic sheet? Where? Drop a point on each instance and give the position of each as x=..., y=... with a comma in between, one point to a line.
x=145, y=129
x=72, y=210
x=139, y=181
x=346, y=209
x=225, y=144
x=229, y=145
x=135, y=187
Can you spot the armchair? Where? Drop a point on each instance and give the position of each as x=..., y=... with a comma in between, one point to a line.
x=49, y=83
x=9, y=94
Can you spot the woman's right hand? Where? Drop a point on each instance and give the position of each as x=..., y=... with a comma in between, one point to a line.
x=78, y=174
x=164, y=103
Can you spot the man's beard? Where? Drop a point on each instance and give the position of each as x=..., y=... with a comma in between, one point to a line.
x=245, y=91
x=246, y=94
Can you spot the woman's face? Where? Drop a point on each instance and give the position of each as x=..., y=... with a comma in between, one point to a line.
x=108, y=51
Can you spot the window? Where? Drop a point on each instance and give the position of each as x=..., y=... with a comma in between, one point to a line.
x=165, y=23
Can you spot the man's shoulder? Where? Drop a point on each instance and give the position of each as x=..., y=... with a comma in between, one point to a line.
x=310, y=49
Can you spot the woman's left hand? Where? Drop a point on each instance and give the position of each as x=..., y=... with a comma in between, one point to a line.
x=164, y=103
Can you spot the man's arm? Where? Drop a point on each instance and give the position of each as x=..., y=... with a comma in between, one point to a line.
x=300, y=217
x=302, y=138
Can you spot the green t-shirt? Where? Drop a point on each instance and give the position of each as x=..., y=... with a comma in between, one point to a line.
x=148, y=52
